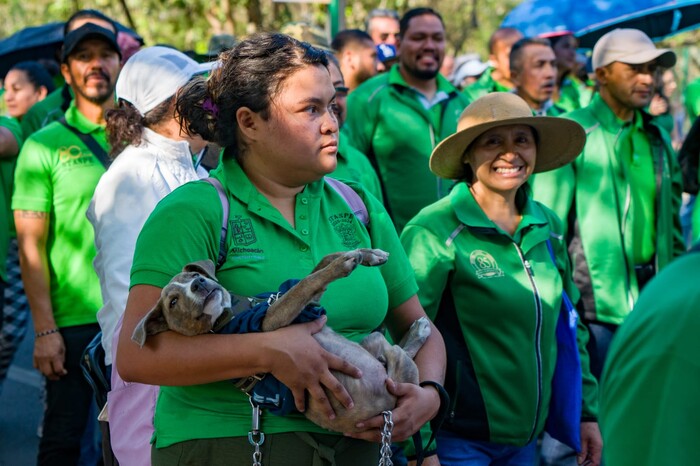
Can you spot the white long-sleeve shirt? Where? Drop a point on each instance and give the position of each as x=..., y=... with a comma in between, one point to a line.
x=124, y=198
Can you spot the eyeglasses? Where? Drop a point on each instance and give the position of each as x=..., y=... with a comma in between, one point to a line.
x=342, y=91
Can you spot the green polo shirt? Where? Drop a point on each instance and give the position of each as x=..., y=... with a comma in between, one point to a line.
x=484, y=85
x=649, y=390
x=264, y=251
x=353, y=165
x=458, y=252
x=57, y=174
x=7, y=169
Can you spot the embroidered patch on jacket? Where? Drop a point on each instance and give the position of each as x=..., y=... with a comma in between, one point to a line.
x=344, y=226
x=485, y=265
x=242, y=231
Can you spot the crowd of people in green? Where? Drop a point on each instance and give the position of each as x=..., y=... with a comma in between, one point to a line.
x=527, y=204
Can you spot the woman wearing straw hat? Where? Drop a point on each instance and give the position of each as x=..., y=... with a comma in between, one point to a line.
x=485, y=259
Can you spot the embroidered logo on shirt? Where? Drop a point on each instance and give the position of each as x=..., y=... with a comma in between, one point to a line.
x=344, y=226
x=242, y=231
x=485, y=265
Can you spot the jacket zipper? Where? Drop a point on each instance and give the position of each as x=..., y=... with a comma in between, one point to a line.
x=623, y=224
x=438, y=194
x=538, y=336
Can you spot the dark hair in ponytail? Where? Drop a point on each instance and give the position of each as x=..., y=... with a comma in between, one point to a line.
x=249, y=75
x=125, y=124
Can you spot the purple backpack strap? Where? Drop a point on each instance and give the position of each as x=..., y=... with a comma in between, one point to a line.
x=353, y=199
x=224, y=224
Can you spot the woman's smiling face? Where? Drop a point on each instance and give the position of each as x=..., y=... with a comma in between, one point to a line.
x=503, y=158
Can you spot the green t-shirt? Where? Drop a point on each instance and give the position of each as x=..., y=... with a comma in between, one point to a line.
x=649, y=405
x=353, y=165
x=7, y=168
x=57, y=174
x=264, y=251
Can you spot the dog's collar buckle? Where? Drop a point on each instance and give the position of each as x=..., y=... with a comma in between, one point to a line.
x=247, y=384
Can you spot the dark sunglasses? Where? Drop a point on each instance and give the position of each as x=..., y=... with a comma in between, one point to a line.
x=342, y=91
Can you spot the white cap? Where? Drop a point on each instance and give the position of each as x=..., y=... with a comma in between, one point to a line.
x=629, y=46
x=154, y=74
x=469, y=68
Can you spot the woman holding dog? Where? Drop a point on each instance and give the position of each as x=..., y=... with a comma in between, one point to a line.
x=270, y=105
x=490, y=284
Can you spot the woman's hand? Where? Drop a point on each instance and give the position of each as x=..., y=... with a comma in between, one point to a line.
x=415, y=406
x=591, y=445
x=299, y=362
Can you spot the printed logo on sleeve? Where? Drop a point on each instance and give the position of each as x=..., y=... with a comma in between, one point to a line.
x=485, y=266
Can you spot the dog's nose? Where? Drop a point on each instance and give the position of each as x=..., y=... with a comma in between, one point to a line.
x=198, y=284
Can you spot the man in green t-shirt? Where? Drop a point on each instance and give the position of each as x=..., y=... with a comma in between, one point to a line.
x=56, y=103
x=57, y=171
x=398, y=117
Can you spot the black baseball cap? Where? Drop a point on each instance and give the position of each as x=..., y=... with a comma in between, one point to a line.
x=88, y=31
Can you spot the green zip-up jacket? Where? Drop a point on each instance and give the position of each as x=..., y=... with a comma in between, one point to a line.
x=496, y=300
x=388, y=123
x=573, y=94
x=484, y=85
x=594, y=195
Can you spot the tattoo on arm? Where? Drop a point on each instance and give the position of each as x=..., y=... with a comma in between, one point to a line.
x=32, y=214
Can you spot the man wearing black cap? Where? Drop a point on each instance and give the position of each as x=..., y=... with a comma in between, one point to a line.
x=56, y=103
x=57, y=171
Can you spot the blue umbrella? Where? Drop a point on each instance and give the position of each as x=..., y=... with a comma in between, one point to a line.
x=658, y=22
x=37, y=42
x=590, y=19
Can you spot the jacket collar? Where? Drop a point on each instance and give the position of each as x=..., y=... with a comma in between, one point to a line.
x=608, y=120
x=470, y=213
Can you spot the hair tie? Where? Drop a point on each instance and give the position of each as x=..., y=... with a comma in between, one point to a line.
x=210, y=107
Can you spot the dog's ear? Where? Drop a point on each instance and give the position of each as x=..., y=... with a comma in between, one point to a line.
x=205, y=267
x=152, y=323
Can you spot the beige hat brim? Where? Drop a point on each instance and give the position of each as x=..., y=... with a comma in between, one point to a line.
x=665, y=58
x=560, y=141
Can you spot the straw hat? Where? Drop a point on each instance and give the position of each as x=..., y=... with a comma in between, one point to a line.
x=559, y=140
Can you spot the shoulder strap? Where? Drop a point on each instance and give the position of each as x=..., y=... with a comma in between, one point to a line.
x=224, y=224
x=89, y=141
x=351, y=198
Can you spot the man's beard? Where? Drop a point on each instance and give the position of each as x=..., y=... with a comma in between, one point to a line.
x=423, y=75
x=102, y=96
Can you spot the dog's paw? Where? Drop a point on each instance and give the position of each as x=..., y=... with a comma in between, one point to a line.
x=372, y=257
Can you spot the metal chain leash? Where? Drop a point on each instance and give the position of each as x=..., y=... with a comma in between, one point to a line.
x=385, y=451
x=255, y=436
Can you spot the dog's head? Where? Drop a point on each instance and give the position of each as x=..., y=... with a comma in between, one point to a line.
x=191, y=304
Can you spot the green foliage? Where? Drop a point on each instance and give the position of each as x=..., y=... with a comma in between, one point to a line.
x=188, y=24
